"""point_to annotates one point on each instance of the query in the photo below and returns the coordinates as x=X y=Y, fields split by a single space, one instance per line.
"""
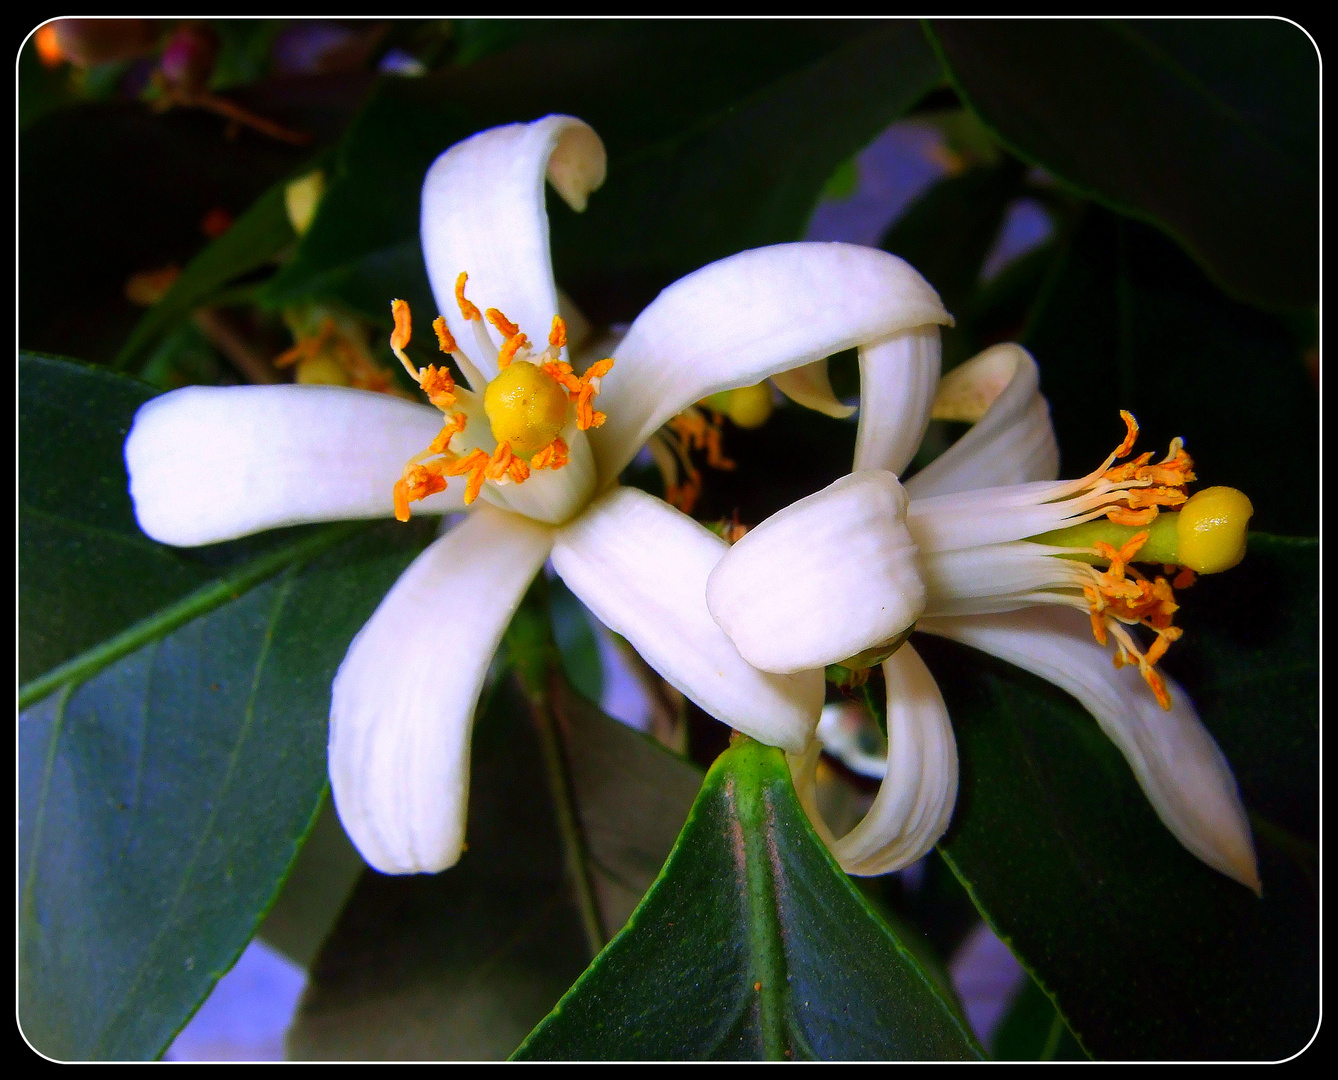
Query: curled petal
x=811 y=387
x=919 y=788
x=748 y=317
x=822 y=580
x=641 y=566
x=1012 y=440
x=897 y=380
x=404 y=697
x=483 y=214
x=212 y=463
x=1178 y=765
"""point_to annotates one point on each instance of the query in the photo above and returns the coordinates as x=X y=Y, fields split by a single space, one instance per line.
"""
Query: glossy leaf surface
x=162 y=801
x=463 y=963
x=165 y=784
x=752 y=943
x=1065 y=857
x=1210 y=130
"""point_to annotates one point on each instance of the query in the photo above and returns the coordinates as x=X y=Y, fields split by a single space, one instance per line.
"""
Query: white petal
x=404 y=697
x=748 y=317
x=995 y=515
x=641 y=566
x=897 y=381
x=1177 y=763
x=483 y=214
x=996 y=577
x=211 y=463
x=825 y=578
x=811 y=387
x=1013 y=440
x=915 y=799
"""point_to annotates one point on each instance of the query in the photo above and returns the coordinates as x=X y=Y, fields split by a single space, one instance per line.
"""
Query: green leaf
x=162 y=801
x=1128 y=322
x=462 y=964
x=752 y=943
x=1033 y=1031
x=733 y=180
x=697 y=118
x=86 y=571
x=164 y=790
x=1207 y=129
x=1147 y=952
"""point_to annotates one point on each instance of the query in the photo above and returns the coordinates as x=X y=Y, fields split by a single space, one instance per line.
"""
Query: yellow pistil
x=527 y=405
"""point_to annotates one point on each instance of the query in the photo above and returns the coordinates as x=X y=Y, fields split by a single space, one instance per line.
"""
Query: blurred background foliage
x=236 y=201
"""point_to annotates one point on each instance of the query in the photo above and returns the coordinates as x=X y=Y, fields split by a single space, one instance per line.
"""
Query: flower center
x=527 y=406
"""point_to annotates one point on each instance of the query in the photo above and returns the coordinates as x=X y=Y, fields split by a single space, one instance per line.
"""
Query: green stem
x=88 y=663
x=569 y=828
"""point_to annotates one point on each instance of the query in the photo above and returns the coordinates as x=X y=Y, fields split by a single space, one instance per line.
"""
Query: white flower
x=967 y=557
x=209 y=464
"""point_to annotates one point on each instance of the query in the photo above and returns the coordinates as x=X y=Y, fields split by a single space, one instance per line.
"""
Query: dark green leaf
x=1033 y=1031
x=1207 y=128
x=1147 y=952
x=734 y=180
x=86 y=571
x=462 y=964
x=162 y=801
x=1128 y=322
x=752 y=943
x=698 y=119
x=457 y=965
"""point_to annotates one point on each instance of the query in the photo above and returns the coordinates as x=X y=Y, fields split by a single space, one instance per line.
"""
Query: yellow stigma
x=1211 y=529
x=526 y=407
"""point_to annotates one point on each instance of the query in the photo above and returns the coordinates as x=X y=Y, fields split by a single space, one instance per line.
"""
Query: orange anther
x=444 y=339
x=1184 y=579
x=401 y=497
x=438 y=385
x=1130 y=435
x=552 y=456
x=557 y=337
x=505 y=326
x=468 y=310
x=399 y=337
x=509 y=348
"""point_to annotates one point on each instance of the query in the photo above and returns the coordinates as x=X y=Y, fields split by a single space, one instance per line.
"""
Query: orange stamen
x=468 y=310
x=509 y=348
x=1130 y=433
x=552 y=456
x=399 y=337
x=505 y=326
x=438 y=385
x=557 y=337
x=444 y=339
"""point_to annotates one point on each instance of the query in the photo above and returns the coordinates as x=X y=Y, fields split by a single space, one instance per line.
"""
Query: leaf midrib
x=83 y=666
